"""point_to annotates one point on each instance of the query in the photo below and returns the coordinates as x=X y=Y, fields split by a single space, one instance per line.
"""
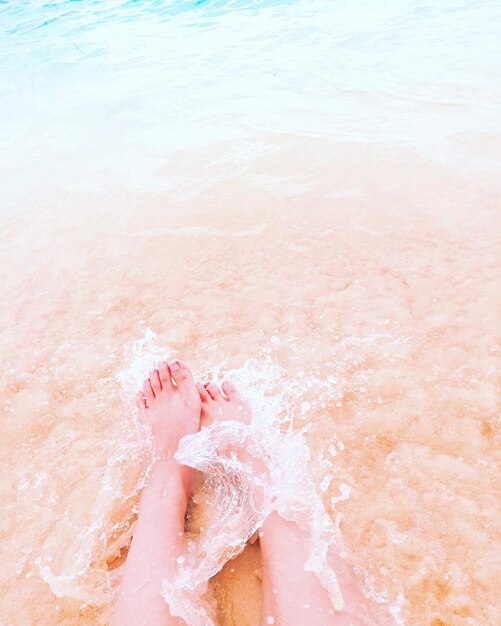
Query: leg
x=290 y=594
x=170 y=406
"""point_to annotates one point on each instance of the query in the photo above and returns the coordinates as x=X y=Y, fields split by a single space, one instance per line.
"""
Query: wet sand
x=374 y=285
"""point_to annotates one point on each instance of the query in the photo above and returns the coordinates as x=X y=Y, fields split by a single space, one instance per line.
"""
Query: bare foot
x=222 y=406
x=228 y=405
x=170 y=405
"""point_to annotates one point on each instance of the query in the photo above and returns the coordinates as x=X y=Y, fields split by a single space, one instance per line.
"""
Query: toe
x=148 y=391
x=230 y=392
x=181 y=374
x=202 y=392
x=213 y=391
x=163 y=372
x=186 y=387
x=156 y=385
x=141 y=401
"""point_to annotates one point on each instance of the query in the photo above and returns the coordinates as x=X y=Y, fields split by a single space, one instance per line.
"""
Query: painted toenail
x=174 y=366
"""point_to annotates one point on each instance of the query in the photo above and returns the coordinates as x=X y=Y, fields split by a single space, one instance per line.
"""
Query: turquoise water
x=112 y=88
x=303 y=193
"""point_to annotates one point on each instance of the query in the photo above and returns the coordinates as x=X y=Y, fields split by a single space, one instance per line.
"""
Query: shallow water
x=303 y=194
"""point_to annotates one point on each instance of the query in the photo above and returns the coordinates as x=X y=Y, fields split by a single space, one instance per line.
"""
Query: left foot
x=170 y=405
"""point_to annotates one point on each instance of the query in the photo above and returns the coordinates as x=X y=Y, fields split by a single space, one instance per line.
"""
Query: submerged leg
x=170 y=405
x=290 y=595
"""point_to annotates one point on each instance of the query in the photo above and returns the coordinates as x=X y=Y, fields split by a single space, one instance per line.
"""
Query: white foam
x=81 y=579
x=142 y=356
x=282 y=479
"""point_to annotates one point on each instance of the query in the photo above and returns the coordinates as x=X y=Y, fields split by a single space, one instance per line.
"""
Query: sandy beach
x=349 y=286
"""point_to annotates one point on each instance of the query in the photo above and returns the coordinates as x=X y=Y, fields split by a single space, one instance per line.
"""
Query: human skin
x=173 y=406
x=290 y=595
x=170 y=405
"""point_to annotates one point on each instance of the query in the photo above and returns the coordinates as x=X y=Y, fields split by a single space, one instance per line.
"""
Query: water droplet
x=305 y=406
x=332 y=450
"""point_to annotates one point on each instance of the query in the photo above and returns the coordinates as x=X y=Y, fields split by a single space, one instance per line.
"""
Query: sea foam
x=281 y=477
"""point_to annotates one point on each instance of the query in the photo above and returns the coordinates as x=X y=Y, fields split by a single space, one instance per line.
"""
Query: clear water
x=107 y=92
x=307 y=188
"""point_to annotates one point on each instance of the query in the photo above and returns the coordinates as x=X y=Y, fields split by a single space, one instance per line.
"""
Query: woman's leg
x=291 y=596
x=170 y=406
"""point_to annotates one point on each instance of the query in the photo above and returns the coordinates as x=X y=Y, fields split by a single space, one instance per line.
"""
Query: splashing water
x=283 y=482
x=309 y=183
x=240 y=494
x=82 y=579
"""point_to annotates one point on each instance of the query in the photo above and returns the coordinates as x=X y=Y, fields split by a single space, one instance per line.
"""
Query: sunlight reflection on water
x=309 y=184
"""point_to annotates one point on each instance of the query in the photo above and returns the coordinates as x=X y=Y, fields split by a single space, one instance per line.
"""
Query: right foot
x=170 y=405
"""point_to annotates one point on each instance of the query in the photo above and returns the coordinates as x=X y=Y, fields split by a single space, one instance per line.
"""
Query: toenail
x=174 y=366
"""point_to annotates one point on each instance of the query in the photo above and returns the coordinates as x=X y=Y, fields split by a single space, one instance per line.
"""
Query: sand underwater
x=350 y=287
